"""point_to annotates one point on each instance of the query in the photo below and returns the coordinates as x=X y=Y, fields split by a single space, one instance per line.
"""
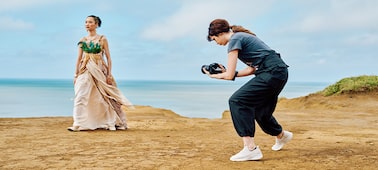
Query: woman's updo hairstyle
x=97 y=19
x=221 y=25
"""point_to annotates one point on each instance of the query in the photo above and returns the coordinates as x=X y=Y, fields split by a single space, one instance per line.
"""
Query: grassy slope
x=352 y=85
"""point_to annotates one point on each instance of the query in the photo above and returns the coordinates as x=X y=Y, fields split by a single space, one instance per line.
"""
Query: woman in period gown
x=98 y=102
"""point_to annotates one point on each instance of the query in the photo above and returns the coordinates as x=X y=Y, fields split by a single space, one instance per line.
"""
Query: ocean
x=196 y=99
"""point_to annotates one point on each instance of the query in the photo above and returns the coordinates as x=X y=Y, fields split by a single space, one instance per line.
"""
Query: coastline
x=197 y=99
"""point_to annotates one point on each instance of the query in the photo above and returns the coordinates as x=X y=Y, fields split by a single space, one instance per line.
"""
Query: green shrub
x=352 y=85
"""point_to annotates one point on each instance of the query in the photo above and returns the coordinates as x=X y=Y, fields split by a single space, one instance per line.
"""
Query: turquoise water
x=205 y=99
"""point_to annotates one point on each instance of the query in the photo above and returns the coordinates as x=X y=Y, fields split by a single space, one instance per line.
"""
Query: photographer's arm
x=231 y=66
x=246 y=72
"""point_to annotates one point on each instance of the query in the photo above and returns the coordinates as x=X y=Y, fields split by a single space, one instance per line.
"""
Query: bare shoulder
x=103 y=37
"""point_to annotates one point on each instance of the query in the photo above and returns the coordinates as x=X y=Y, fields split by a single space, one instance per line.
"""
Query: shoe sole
x=72 y=129
x=253 y=159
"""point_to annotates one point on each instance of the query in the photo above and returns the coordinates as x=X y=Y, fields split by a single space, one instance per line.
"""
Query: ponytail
x=238 y=28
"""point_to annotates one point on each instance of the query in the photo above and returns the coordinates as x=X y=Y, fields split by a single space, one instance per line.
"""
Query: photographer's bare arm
x=229 y=74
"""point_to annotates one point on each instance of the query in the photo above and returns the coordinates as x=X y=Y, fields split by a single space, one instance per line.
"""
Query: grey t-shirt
x=252 y=50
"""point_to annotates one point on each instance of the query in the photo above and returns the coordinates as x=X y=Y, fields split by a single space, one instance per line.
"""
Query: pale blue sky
x=321 y=40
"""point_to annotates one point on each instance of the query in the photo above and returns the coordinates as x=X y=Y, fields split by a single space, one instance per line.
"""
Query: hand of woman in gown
x=109 y=79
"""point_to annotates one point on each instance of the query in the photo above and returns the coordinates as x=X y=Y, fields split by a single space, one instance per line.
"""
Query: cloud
x=365 y=39
x=321 y=61
x=340 y=15
x=189 y=18
x=194 y=16
x=12 y=5
x=8 y=23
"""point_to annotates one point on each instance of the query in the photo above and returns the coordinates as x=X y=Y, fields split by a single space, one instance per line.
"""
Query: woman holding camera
x=97 y=101
x=255 y=100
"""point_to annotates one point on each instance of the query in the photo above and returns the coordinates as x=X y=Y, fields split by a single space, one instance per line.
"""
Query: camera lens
x=206 y=68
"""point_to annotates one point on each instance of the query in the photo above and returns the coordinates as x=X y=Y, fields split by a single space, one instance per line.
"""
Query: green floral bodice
x=91 y=48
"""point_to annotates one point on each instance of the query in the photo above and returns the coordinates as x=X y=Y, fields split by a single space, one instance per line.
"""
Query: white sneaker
x=287 y=136
x=247 y=155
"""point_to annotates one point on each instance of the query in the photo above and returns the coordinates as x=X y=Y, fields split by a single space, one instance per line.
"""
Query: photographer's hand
x=222 y=67
x=208 y=73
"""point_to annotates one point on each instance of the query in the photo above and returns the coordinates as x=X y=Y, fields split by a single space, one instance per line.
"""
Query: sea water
x=202 y=99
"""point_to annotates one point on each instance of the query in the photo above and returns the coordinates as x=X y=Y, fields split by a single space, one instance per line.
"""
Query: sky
x=321 y=40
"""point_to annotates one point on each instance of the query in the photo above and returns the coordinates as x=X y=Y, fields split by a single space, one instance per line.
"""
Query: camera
x=213 y=68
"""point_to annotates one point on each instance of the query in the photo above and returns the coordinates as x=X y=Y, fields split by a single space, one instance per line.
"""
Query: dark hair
x=97 y=19
x=218 y=26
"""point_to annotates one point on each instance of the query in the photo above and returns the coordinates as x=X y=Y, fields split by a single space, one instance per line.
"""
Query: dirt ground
x=338 y=132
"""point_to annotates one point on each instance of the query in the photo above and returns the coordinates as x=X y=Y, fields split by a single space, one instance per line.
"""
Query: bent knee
x=233 y=100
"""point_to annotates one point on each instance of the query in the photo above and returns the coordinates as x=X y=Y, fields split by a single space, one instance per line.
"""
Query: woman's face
x=220 y=39
x=90 y=24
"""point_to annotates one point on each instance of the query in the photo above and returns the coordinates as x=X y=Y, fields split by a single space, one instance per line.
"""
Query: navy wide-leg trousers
x=256 y=100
